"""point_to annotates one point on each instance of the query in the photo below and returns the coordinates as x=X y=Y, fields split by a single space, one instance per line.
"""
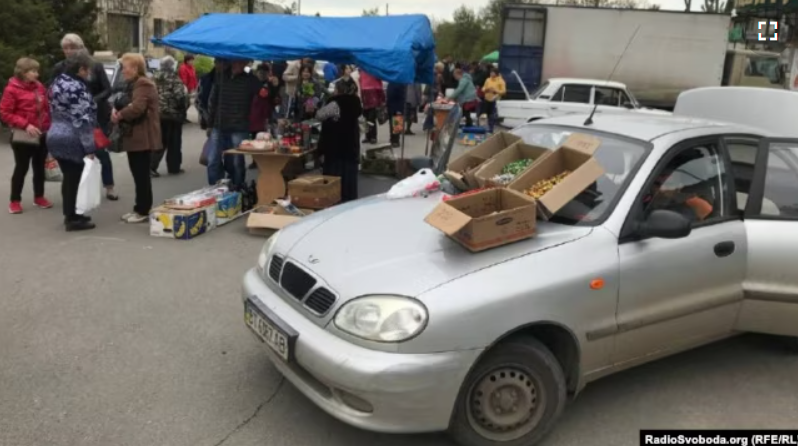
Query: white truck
x=668 y=52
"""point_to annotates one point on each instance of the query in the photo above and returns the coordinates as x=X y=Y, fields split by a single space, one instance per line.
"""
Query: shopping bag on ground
x=51 y=170
x=90 y=188
x=421 y=183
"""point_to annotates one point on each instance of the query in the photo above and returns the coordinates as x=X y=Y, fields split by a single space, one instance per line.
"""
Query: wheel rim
x=505 y=404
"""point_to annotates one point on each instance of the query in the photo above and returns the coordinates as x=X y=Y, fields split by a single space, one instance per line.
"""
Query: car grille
x=299 y=283
x=275 y=267
x=320 y=301
x=296 y=281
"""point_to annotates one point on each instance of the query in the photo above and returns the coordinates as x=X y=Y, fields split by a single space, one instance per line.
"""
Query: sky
x=439 y=9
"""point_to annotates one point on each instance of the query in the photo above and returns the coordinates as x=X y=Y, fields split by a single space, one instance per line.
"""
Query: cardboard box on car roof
x=574 y=155
x=460 y=171
x=486 y=219
x=515 y=152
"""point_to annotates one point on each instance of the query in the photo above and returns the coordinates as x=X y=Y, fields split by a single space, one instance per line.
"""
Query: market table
x=270 y=183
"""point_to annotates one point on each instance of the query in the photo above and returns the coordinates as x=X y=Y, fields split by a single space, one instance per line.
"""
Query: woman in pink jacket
x=24 y=108
x=373 y=97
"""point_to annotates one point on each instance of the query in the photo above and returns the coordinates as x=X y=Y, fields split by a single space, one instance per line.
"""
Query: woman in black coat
x=339 y=142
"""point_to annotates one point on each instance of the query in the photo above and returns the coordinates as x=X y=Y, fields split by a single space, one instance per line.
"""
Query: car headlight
x=382 y=318
x=263 y=257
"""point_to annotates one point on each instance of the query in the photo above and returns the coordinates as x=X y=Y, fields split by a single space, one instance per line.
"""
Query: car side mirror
x=628 y=105
x=664 y=224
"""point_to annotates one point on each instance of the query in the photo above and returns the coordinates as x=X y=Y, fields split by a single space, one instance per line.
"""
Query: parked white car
x=563 y=96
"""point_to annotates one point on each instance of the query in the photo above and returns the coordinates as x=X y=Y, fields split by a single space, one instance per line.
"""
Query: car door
x=571 y=99
x=771 y=225
x=679 y=293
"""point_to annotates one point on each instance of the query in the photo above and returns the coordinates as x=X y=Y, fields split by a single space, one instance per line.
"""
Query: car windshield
x=619 y=156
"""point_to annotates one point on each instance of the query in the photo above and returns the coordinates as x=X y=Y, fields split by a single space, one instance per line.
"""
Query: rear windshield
x=619 y=156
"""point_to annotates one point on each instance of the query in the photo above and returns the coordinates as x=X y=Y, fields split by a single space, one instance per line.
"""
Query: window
x=179 y=24
x=573 y=93
x=621 y=158
x=781 y=181
x=610 y=96
x=157 y=29
x=742 y=153
x=538 y=91
x=692 y=184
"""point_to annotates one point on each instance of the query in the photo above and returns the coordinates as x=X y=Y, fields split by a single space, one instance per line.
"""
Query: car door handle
x=724 y=249
x=554 y=108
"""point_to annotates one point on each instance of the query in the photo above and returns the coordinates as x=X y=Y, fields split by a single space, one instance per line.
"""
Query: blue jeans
x=233 y=165
x=107 y=167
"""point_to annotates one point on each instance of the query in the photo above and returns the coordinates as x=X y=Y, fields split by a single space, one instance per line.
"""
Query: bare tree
x=713 y=6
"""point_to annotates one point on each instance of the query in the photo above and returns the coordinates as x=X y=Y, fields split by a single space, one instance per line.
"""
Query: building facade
x=128 y=25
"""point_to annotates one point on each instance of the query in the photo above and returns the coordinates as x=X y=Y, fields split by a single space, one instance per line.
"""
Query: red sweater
x=188 y=75
x=25 y=103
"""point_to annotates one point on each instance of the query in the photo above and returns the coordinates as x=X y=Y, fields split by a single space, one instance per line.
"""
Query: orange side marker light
x=597 y=284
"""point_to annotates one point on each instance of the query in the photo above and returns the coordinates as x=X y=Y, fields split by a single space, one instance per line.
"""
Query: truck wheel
x=512 y=397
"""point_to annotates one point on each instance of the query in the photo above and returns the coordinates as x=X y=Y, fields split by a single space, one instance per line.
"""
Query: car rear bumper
x=373 y=390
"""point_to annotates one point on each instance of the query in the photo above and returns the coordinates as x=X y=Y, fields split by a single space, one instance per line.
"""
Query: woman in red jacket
x=24 y=108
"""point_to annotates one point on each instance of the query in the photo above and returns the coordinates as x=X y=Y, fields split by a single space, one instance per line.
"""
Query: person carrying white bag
x=71 y=138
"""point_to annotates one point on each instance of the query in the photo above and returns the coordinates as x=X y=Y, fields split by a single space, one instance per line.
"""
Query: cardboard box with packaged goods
x=575 y=155
x=315 y=191
x=460 y=171
x=182 y=224
x=486 y=219
x=515 y=152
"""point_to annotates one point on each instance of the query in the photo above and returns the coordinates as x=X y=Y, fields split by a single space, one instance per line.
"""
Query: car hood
x=377 y=245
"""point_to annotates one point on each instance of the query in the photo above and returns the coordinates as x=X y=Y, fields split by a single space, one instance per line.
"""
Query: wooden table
x=270 y=184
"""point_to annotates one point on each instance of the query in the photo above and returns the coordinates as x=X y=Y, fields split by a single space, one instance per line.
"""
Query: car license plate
x=267 y=331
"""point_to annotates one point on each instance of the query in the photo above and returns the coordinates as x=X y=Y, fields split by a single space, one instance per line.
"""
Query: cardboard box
x=315 y=191
x=182 y=224
x=228 y=207
x=576 y=155
x=486 y=219
x=458 y=171
x=461 y=170
x=267 y=220
x=515 y=152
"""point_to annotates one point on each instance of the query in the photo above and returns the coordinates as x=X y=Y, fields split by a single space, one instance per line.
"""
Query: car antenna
x=589 y=120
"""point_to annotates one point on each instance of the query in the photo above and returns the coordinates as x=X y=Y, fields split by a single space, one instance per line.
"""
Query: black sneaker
x=154 y=174
x=78 y=225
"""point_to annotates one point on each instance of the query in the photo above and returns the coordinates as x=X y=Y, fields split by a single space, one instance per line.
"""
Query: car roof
x=582 y=81
x=646 y=127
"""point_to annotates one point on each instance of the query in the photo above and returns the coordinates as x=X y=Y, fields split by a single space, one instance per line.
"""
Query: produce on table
x=540 y=188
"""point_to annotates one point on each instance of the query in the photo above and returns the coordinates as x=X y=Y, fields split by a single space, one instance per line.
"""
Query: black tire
x=540 y=384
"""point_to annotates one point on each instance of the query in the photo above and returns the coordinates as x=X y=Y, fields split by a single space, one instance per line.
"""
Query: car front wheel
x=513 y=397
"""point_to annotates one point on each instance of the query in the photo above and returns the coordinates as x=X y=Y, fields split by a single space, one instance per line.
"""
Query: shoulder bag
x=21 y=137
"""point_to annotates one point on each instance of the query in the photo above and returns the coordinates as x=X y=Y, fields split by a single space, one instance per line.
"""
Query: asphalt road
x=111 y=337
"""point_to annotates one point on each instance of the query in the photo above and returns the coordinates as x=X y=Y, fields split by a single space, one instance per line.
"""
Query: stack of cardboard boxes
x=188 y=216
x=491 y=214
x=306 y=195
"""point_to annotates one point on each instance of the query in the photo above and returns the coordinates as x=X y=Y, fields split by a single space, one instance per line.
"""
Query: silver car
x=690 y=237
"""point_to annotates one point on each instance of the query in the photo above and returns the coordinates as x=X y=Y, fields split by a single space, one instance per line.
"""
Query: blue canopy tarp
x=398 y=48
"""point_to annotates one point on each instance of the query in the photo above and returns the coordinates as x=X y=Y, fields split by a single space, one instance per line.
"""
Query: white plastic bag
x=422 y=182
x=90 y=189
